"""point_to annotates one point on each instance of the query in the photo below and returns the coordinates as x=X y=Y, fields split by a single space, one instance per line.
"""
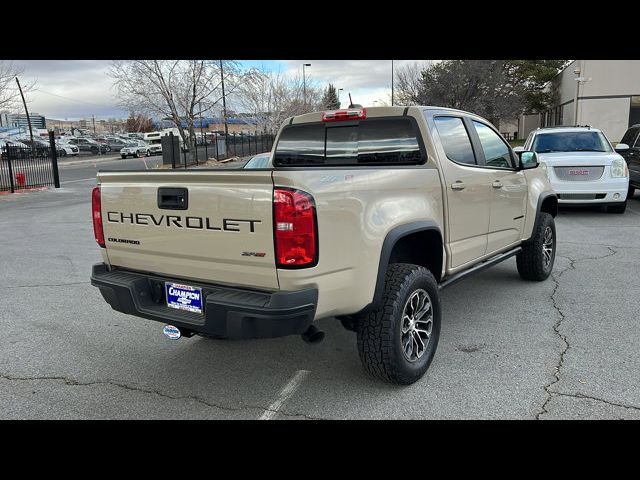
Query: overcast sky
x=73 y=89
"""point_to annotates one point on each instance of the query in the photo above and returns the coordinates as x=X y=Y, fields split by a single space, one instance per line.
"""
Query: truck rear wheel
x=535 y=261
x=397 y=342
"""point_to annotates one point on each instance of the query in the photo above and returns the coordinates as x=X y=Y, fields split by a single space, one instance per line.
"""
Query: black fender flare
x=392 y=237
x=541 y=198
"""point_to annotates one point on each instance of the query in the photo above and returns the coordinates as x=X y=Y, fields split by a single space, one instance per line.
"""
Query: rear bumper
x=232 y=313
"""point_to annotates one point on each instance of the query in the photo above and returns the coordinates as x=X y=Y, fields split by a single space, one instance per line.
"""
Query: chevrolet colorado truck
x=361 y=214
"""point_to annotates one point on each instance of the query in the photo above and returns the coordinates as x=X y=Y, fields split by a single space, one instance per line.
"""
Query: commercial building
x=240 y=124
x=602 y=93
x=20 y=120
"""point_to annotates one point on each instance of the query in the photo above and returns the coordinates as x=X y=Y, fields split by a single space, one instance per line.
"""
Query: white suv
x=582 y=166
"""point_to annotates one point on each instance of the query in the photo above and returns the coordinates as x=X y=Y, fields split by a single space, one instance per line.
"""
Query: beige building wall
x=611 y=115
x=604 y=98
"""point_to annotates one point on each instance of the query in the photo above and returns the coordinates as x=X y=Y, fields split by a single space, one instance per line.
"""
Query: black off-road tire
x=124 y=157
x=530 y=261
x=380 y=332
x=617 y=208
x=631 y=192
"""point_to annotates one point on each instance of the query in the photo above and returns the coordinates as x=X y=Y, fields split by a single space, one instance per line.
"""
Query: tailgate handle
x=173 y=198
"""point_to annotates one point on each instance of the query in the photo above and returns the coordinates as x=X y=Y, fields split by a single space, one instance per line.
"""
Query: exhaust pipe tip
x=313 y=335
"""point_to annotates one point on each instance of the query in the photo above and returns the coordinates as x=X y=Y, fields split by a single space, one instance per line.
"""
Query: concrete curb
x=62 y=163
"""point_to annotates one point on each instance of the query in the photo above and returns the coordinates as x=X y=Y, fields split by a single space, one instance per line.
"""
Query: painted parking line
x=284 y=395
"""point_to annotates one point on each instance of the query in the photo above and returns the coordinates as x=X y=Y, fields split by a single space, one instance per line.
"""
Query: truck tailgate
x=221 y=232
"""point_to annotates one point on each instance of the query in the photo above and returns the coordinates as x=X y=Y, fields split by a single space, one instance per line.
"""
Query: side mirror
x=527 y=160
x=518 y=149
x=621 y=147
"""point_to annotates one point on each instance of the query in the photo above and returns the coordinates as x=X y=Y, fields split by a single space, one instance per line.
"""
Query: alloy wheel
x=417 y=324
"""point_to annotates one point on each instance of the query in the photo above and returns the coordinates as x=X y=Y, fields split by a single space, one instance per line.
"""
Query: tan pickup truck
x=362 y=215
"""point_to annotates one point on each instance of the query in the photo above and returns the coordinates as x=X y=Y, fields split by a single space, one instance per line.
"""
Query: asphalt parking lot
x=565 y=348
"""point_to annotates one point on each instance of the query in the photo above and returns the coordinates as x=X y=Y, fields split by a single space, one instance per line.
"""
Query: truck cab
x=362 y=214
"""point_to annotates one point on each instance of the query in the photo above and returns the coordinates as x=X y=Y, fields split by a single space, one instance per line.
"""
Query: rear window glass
x=370 y=142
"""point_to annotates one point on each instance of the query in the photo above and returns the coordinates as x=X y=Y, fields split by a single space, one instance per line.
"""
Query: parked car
x=258 y=161
x=20 y=149
x=135 y=148
x=582 y=166
x=88 y=145
x=41 y=146
x=117 y=144
x=629 y=148
x=65 y=149
x=366 y=216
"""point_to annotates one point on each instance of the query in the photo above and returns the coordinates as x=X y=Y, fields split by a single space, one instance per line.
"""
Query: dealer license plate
x=184 y=297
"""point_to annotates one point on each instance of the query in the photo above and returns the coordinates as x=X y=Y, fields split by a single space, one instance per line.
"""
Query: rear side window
x=385 y=141
x=455 y=139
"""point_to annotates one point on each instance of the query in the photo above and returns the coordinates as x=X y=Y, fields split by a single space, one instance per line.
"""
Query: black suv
x=632 y=156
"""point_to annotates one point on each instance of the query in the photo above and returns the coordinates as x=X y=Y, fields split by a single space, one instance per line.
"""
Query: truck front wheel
x=535 y=261
x=397 y=342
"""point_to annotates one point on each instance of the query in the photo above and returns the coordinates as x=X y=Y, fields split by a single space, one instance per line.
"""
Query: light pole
x=338 y=91
x=304 y=84
x=579 y=80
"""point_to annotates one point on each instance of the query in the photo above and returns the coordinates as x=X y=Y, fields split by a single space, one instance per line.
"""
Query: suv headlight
x=545 y=169
x=619 y=168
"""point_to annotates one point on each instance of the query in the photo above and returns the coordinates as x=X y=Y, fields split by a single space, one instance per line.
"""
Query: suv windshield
x=587 y=141
x=376 y=141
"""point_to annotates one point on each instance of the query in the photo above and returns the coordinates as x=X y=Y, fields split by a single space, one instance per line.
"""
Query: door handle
x=458 y=185
x=497 y=184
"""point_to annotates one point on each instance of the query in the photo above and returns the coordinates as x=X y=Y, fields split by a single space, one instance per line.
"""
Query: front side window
x=496 y=151
x=583 y=141
x=630 y=136
x=385 y=141
x=455 y=139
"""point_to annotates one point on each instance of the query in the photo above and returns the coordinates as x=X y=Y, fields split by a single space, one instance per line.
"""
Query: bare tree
x=271 y=97
x=407 y=83
x=9 y=94
x=180 y=90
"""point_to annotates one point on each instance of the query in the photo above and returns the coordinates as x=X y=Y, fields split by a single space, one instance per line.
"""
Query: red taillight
x=294 y=228
x=348 y=114
x=96 y=209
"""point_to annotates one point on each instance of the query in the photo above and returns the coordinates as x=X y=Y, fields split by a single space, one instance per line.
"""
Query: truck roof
x=375 y=112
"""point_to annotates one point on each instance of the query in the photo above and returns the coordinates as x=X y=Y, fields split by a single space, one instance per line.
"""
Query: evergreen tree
x=330 y=98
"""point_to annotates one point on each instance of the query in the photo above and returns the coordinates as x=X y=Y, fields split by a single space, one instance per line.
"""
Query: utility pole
x=224 y=102
x=26 y=111
x=338 y=92
x=392 y=83
x=93 y=119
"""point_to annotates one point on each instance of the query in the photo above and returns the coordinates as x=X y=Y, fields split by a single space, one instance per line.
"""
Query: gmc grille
x=578 y=174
